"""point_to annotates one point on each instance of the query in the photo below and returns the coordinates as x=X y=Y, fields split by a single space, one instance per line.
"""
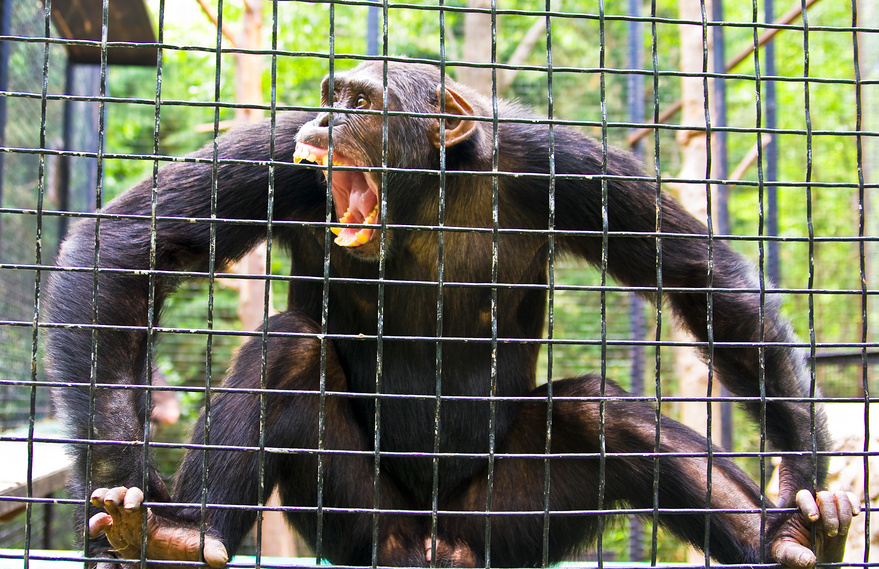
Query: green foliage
x=815 y=144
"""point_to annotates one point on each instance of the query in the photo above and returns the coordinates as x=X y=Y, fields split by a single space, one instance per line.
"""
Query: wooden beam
x=128 y=21
x=49 y=463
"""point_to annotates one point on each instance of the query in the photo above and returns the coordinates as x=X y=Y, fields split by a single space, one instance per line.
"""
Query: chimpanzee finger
x=855 y=502
x=214 y=553
x=133 y=499
x=846 y=504
x=97 y=497
x=793 y=555
x=99 y=523
x=808 y=506
x=829 y=513
x=113 y=499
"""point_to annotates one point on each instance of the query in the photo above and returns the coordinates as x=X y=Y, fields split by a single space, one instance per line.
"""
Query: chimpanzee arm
x=681 y=469
x=117 y=301
x=631 y=260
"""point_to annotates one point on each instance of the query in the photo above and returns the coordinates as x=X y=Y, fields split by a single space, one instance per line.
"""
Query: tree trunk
x=477 y=47
x=278 y=540
x=691 y=371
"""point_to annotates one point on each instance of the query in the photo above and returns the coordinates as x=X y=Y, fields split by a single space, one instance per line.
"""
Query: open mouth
x=355 y=195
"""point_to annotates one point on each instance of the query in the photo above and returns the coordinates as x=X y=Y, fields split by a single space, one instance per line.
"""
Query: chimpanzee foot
x=455 y=554
x=123 y=521
x=831 y=513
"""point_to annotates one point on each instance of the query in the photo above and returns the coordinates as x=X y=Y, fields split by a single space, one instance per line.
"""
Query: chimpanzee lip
x=355 y=195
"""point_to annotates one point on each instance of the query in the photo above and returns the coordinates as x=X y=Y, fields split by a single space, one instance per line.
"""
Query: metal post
x=636 y=115
x=721 y=204
x=372 y=30
x=5 y=50
x=636 y=309
x=773 y=267
x=64 y=160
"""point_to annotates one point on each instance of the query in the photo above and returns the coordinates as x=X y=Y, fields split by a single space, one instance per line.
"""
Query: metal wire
x=605 y=342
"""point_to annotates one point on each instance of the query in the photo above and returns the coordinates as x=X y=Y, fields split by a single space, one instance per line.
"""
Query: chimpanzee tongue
x=361 y=200
x=361 y=208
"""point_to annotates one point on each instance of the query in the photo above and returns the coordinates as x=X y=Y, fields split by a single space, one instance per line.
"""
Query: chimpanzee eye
x=360 y=102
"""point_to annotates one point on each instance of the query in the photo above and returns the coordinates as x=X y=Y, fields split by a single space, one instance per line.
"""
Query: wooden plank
x=128 y=21
x=50 y=466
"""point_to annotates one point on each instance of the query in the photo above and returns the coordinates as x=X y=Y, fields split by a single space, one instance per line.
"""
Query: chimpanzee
x=372 y=395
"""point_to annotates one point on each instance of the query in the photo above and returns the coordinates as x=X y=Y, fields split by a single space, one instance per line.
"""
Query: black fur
x=409 y=365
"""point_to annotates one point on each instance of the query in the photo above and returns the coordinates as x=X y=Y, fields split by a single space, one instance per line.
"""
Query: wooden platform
x=49 y=470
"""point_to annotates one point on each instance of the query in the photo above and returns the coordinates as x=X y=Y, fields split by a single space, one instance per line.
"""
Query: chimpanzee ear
x=458 y=127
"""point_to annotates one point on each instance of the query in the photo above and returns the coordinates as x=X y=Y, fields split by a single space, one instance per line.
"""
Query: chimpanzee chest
x=432 y=395
x=433 y=358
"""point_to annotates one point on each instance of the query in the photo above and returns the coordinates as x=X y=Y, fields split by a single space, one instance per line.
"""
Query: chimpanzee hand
x=832 y=514
x=123 y=521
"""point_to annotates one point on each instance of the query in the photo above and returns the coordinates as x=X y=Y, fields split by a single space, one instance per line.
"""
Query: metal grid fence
x=801 y=208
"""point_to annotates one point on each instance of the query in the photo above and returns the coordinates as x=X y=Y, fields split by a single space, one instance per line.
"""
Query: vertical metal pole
x=773 y=268
x=5 y=50
x=721 y=162
x=372 y=30
x=636 y=115
x=636 y=308
x=721 y=159
x=64 y=159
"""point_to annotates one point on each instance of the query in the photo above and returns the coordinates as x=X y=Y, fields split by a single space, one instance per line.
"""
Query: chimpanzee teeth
x=344 y=219
x=372 y=215
x=361 y=237
x=302 y=153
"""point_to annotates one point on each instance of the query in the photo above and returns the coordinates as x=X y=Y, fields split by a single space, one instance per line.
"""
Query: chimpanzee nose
x=323 y=120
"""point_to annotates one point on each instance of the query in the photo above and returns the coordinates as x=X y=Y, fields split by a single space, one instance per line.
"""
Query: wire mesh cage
x=427 y=284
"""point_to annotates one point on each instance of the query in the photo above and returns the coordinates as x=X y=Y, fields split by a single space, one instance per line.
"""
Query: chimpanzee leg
x=629 y=434
x=294 y=409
